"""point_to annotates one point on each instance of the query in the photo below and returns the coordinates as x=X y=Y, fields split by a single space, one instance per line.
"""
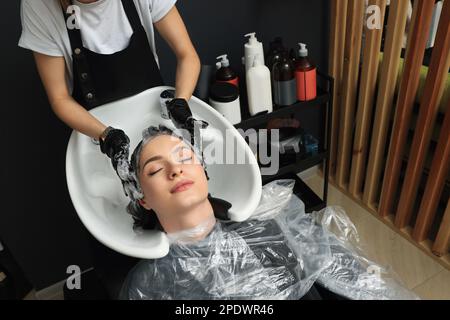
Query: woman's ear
x=144 y=204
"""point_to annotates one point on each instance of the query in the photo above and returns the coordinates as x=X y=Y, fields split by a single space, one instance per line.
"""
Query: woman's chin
x=187 y=202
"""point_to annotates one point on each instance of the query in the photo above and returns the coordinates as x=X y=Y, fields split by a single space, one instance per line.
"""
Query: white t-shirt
x=104 y=27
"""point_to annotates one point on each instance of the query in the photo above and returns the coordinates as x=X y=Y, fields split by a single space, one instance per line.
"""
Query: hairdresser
x=91 y=52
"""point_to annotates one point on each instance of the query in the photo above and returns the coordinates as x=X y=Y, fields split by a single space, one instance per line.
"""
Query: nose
x=175 y=170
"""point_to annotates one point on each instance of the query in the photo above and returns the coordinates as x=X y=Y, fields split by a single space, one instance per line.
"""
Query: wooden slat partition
x=387 y=85
x=417 y=39
x=379 y=85
x=435 y=183
x=336 y=58
x=368 y=83
x=442 y=242
x=434 y=87
x=352 y=53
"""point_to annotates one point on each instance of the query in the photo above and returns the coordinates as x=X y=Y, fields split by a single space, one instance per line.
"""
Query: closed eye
x=155 y=172
x=186 y=159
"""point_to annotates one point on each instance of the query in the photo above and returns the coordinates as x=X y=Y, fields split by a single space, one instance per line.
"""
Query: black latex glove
x=116 y=146
x=181 y=115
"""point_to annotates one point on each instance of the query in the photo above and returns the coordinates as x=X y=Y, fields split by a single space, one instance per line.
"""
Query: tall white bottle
x=259 y=89
x=252 y=49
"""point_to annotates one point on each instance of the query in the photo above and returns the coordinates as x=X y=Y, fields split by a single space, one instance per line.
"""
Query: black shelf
x=324 y=98
x=282 y=112
x=299 y=165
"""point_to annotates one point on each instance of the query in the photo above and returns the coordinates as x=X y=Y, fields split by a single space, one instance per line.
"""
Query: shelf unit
x=320 y=109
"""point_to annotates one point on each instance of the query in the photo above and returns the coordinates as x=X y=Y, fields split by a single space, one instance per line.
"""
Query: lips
x=182 y=186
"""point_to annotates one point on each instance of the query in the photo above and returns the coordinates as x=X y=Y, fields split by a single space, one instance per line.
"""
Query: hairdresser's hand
x=116 y=145
x=181 y=116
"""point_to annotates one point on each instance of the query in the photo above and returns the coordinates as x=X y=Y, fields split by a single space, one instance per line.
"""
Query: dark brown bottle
x=284 y=82
x=275 y=58
x=276 y=50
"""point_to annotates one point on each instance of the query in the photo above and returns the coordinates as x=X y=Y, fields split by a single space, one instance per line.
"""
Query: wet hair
x=147 y=219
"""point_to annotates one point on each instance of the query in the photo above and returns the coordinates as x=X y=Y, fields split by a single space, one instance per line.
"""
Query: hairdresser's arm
x=52 y=72
x=173 y=31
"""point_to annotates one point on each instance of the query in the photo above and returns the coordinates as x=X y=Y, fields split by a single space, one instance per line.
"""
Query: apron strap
x=132 y=14
x=83 y=73
x=74 y=34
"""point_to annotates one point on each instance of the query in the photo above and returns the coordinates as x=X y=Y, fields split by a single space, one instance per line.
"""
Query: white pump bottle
x=259 y=89
x=252 y=48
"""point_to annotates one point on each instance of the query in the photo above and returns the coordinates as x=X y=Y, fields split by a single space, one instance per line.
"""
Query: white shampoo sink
x=97 y=192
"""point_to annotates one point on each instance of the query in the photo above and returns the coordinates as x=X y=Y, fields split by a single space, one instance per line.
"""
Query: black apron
x=102 y=78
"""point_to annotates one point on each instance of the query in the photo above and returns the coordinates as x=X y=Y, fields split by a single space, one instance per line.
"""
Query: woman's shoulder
x=159 y=8
x=41 y=6
x=42 y=23
x=41 y=11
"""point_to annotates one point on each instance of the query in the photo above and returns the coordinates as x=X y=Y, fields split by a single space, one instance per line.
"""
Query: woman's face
x=171 y=177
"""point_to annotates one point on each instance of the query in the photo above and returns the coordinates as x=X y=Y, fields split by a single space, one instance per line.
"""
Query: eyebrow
x=150 y=160
x=158 y=157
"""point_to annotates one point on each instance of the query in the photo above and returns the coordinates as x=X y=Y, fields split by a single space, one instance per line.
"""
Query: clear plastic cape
x=278 y=253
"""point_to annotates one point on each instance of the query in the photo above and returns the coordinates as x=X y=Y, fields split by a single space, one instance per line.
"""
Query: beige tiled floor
x=419 y=272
